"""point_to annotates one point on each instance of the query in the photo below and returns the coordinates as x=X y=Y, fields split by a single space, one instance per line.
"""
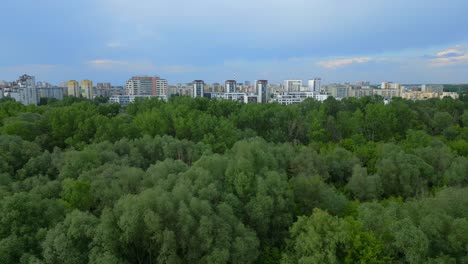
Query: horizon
x=111 y=40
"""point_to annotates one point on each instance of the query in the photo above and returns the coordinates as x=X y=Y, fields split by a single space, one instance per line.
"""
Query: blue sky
x=407 y=41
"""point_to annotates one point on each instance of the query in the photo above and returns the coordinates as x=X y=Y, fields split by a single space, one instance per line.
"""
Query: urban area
x=27 y=91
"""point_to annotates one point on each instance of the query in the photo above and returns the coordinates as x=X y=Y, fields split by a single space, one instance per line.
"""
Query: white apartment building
x=161 y=88
x=292 y=85
x=315 y=85
x=298 y=97
x=125 y=100
x=140 y=86
x=27 y=91
x=198 y=88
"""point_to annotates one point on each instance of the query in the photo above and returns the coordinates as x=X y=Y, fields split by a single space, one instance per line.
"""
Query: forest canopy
x=215 y=181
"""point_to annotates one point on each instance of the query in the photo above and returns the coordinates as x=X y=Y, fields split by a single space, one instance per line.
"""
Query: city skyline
x=408 y=42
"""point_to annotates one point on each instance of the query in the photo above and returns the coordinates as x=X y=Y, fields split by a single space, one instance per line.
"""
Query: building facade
x=315 y=85
x=292 y=85
x=27 y=90
x=51 y=92
x=230 y=86
x=141 y=86
x=198 y=88
x=87 y=89
x=125 y=100
x=262 y=91
x=161 y=88
x=73 y=88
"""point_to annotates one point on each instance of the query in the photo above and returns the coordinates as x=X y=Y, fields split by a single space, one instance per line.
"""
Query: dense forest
x=214 y=181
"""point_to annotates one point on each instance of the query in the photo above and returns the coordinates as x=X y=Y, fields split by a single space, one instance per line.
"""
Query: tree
x=363 y=186
x=322 y=238
x=69 y=242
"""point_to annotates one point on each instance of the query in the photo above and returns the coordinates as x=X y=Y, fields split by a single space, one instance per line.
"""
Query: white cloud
x=449 y=57
x=449 y=53
x=338 y=63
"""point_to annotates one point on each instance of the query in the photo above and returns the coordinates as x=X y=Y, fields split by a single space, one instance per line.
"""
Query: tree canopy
x=216 y=181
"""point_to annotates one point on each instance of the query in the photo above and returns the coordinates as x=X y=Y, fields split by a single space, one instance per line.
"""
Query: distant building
x=87 y=89
x=230 y=86
x=338 y=91
x=453 y=95
x=388 y=92
x=198 y=88
x=298 y=97
x=125 y=100
x=161 y=88
x=432 y=88
x=362 y=83
x=390 y=85
x=315 y=85
x=50 y=92
x=116 y=90
x=292 y=85
x=73 y=88
x=361 y=91
x=141 y=86
x=419 y=95
x=103 y=85
x=27 y=90
x=262 y=91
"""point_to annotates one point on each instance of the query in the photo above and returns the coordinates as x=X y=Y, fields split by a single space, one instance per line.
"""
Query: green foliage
x=210 y=181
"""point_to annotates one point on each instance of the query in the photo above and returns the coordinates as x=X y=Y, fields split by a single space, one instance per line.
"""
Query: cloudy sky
x=407 y=41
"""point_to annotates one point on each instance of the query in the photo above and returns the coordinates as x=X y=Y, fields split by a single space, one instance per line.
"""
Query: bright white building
x=230 y=86
x=125 y=100
x=315 y=85
x=298 y=97
x=161 y=87
x=198 y=88
x=292 y=85
x=140 y=85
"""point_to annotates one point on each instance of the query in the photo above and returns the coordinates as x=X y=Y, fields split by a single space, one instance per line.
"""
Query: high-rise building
x=87 y=89
x=27 y=90
x=161 y=88
x=141 y=85
x=73 y=88
x=262 y=91
x=198 y=88
x=103 y=86
x=230 y=86
x=292 y=85
x=315 y=85
x=50 y=92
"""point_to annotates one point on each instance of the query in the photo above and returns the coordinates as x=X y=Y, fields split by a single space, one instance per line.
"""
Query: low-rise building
x=453 y=95
x=125 y=100
x=419 y=95
x=297 y=97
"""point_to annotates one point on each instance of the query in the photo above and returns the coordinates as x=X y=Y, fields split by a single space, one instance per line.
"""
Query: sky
x=405 y=41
